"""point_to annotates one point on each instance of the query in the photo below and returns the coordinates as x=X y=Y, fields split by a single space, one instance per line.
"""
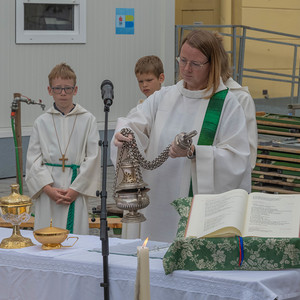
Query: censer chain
x=137 y=157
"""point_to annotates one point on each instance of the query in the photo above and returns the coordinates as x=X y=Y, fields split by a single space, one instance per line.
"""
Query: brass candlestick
x=15 y=209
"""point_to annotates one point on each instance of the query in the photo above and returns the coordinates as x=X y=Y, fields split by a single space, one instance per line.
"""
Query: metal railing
x=239 y=35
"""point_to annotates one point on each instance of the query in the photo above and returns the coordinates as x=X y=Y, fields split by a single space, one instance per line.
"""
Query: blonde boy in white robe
x=64 y=142
x=149 y=72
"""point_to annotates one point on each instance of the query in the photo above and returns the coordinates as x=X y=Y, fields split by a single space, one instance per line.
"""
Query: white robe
x=83 y=150
x=218 y=168
x=243 y=96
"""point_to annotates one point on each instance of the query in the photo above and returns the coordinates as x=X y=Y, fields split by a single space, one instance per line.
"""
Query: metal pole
x=241 y=56
x=103 y=214
x=19 y=141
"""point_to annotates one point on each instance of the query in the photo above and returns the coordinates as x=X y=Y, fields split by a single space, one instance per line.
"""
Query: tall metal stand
x=17 y=132
x=103 y=212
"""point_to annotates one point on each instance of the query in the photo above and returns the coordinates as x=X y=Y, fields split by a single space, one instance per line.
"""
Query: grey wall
x=8 y=156
x=25 y=67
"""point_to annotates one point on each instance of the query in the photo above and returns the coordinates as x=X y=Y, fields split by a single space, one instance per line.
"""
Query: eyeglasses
x=67 y=89
x=193 y=64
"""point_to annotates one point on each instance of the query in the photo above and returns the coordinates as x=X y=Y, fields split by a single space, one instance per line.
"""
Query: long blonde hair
x=225 y=68
x=206 y=42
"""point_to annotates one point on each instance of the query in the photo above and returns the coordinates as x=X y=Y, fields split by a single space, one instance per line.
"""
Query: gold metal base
x=16 y=241
x=51 y=246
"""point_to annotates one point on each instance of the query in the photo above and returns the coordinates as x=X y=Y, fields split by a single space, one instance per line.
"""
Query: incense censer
x=15 y=209
x=130 y=193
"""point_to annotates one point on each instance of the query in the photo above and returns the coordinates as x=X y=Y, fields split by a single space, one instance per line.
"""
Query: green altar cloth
x=259 y=254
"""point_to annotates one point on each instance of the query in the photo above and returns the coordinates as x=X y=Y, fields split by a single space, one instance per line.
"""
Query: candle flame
x=145 y=243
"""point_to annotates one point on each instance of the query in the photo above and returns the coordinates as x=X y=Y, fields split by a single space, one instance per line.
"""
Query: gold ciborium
x=52 y=237
x=15 y=209
x=131 y=192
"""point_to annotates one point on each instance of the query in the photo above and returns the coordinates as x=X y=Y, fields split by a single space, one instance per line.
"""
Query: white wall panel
x=25 y=68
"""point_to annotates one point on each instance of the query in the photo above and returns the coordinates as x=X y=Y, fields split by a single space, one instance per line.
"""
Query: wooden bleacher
x=277 y=167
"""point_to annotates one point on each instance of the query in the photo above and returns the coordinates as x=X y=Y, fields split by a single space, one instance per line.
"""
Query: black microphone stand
x=103 y=212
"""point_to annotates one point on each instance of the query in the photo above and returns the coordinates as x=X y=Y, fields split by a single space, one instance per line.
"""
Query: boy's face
x=149 y=83
x=63 y=98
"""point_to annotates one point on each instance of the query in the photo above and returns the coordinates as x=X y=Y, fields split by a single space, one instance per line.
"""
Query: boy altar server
x=63 y=158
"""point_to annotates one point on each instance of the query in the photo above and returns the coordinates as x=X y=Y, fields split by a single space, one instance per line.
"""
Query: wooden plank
x=275 y=182
x=111 y=222
x=271 y=157
x=274 y=174
x=278 y=128
x=272 y=190
x=277 y=118
x=279 y=149
x=278 y=133
x=271 y=166
x=277 y=124
x=278 y=153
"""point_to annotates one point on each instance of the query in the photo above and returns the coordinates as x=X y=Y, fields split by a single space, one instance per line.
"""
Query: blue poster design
x=124 y=20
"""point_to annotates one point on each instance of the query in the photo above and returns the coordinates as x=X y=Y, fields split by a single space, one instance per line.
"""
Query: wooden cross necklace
x=63 y=155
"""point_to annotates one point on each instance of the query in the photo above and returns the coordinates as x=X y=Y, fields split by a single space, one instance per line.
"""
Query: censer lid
x=51 y=230
x=131 y=179
x=123 y=186
x=15 y=198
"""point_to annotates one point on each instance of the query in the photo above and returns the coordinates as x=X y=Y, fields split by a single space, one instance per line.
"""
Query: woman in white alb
x=215 y=168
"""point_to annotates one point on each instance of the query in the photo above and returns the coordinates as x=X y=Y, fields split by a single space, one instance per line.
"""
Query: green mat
x=259 y=254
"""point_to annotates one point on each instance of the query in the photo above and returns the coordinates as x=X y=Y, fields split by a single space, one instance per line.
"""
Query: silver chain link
x=137 y=157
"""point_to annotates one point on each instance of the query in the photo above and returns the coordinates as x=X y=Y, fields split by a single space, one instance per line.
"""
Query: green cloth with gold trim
x=223 y=253
x=260 y=254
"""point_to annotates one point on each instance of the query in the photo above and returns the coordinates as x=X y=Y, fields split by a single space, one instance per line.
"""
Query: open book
x=237 y=213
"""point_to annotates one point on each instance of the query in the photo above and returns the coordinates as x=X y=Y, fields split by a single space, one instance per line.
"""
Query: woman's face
x=194 y=68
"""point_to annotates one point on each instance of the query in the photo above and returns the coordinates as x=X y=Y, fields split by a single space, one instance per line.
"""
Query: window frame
x=76 y=36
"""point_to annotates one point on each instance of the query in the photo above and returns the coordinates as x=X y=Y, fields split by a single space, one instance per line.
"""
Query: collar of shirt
x=54 y=105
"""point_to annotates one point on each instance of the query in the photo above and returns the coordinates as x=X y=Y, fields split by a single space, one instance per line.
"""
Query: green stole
x=210 y=122
x=70 y=220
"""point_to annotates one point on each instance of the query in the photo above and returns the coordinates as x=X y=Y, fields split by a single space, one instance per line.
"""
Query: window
x=50 y=21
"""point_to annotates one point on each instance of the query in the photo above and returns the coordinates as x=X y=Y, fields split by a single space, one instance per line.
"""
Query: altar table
x=76 y=273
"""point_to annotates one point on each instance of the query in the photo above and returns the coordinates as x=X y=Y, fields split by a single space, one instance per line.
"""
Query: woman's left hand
x=176 y=151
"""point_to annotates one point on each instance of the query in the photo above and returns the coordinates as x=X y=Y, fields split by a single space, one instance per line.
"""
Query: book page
x=210 y=213
x=271 y=215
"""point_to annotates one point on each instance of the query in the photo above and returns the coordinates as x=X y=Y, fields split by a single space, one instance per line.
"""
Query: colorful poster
x=124 y=20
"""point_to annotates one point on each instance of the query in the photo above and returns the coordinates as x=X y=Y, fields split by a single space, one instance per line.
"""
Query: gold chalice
x=15 y=209
x=52 y=237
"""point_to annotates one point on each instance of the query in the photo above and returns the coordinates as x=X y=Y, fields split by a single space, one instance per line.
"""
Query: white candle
x=142 y=283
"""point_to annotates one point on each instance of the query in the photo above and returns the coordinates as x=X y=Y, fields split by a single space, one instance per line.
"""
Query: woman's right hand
x=120 y=139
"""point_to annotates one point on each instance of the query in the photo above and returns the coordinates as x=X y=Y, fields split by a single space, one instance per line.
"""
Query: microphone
x=107 y=92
